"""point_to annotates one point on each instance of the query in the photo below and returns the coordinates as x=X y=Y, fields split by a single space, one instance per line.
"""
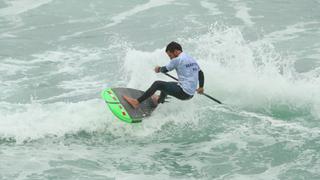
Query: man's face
x=173 y=54
x=170 y=54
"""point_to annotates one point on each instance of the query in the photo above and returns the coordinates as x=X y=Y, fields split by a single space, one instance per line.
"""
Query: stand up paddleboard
x=124 y=111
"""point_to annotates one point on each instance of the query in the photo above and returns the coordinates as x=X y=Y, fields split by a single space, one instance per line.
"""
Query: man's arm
x=163 y=69
x=201 y=79
x=169 y=67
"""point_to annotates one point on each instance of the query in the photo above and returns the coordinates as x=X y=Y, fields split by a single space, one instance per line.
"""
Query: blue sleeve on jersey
x=163 y=69
x=201 y=78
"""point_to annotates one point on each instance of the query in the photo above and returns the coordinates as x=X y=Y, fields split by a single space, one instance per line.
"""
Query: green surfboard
x=124 y=111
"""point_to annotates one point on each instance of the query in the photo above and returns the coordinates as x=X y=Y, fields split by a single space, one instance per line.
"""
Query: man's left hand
x=200 y=90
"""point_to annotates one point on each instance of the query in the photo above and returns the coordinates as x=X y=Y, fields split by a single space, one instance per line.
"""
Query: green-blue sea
x=260 y=58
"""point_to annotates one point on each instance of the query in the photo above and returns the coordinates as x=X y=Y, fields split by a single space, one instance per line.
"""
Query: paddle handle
x=171 y=76
x=212 y=98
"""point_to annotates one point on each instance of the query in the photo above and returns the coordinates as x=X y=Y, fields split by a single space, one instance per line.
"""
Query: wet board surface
x=124 y=111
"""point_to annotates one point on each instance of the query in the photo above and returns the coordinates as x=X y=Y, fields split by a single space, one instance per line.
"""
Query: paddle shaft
x=208 y=96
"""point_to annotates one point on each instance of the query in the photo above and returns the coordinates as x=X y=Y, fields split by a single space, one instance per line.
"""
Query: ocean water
x=260 y=58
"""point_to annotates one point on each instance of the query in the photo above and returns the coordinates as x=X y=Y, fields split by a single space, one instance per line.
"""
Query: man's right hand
x=157 y=69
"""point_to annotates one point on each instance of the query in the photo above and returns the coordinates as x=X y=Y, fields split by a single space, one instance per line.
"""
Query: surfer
x=188 y=71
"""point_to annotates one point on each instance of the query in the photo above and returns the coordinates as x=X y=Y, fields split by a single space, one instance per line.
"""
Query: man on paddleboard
x=188 y=71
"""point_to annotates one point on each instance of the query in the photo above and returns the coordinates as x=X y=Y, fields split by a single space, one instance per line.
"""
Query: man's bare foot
x=155 y=99
x=133 y=102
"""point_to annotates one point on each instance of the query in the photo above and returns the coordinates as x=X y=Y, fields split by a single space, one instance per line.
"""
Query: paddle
x=208 y=96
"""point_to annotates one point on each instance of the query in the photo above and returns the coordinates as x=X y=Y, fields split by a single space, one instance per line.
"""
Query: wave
x=251 y=76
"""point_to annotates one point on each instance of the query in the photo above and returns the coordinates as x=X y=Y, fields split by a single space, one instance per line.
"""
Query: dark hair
x=173 y=46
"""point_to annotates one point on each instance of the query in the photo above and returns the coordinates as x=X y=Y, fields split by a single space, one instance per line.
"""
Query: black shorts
x=166 y=88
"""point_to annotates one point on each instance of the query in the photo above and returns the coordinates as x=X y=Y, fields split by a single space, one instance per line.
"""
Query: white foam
x=212 y=7
x=254 y=69
x=19 y=74
x=119 y=18
x=10 y=66
x=290 y=32
x=87 y=83
x=7 y=35
x=69 y=61
x=16 y=7
x=34 y=121
x=139 y=67
x=137 y=9
x=248 y=74
x=237 y=72
x=243 y=12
